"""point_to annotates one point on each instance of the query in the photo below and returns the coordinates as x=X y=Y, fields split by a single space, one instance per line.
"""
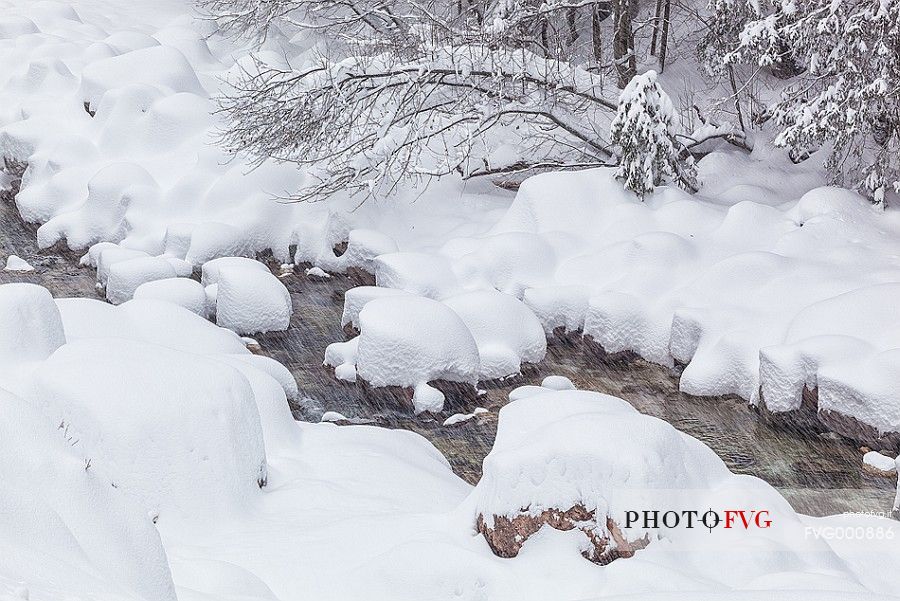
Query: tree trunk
x=571 y=17
x=596 y=35
x=657 y=16
x=623 y=43
x=664 y=36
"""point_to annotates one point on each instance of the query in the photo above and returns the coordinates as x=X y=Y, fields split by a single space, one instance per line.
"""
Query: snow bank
x=64 y=526
x=506 y=331
x=30 y=322
x=207 y=453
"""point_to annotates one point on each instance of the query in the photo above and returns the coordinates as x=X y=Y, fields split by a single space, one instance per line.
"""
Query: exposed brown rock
x=507 y=535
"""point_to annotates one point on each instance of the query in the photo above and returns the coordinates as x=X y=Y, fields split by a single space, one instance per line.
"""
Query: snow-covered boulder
x=180 y=291
x=212 y=240
x=161 y=66
x=506 y=331
x=126 y=276
x=510 y=262
x=576 y=459
x=65 y=520
x=147 y=320
x=15 y=263
x=105 y=254
x=101 y=216
x=419 y=273
x=247 y=297
x=844 y=361
x=179 y=432
x=363 y=246
x=249 y=302
x=356 y=298
x=562 y=307
x=211 y=271
x=30 y=325
x=880 y=464
x=409 y=341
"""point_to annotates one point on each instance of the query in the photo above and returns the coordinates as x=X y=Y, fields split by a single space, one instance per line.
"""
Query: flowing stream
x=818 y=474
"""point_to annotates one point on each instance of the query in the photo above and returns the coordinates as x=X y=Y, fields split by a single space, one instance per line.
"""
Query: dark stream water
x=818 y=474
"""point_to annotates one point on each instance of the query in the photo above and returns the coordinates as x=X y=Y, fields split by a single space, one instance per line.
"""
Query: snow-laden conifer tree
x=848 y=95
x=644 y=130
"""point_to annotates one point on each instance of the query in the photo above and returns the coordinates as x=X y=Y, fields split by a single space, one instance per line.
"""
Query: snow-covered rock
x=880 y=464
x=211 y=272
x=180 y=291
x=506 y=331
x=458 y=418
x=248 y=297
x=105 y=255
x=356 y=298
x=126 y=276
x=15 y=263
x=409 y=341
x=564 y=458
x=419 y=273
x=30 y=325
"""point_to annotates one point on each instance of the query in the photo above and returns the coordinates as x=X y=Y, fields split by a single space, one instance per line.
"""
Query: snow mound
x=126 y=276
x=211 y=271
x=207 y=454
x=506 y=331
x=409 y=341
x=248 y=298
x=31 y=324
x=363 y=247
x=180 y=291
x=101 y=217
x=510 y=262
x=147 y=320
x=160 y=66
x=63 y=523
x=558 y=449
x=356 y=298
x=419 y=273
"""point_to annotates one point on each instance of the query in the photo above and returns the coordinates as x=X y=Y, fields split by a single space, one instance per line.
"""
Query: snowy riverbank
x=147 y=454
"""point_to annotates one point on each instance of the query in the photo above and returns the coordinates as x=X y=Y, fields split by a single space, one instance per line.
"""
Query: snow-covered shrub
x=644 y=130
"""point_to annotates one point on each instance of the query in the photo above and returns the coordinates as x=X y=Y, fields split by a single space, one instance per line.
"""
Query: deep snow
x=144 y=452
